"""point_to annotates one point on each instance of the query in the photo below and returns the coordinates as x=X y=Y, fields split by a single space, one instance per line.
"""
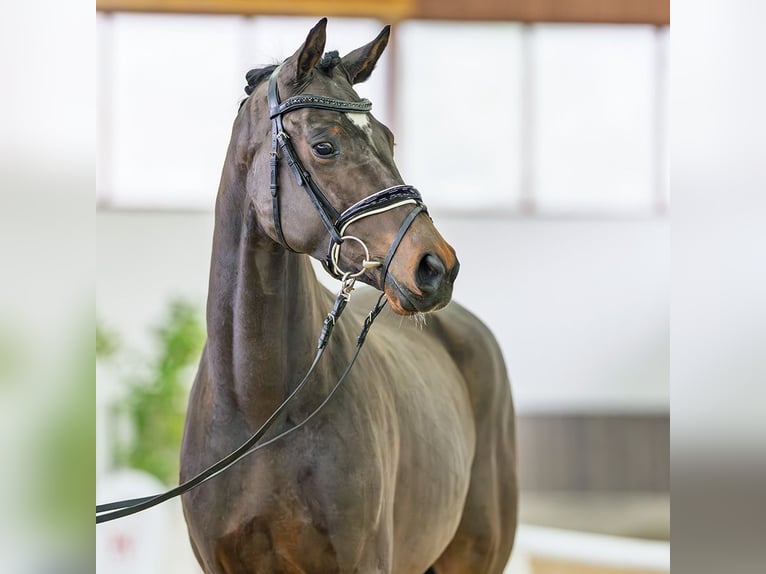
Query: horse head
x=347 y=157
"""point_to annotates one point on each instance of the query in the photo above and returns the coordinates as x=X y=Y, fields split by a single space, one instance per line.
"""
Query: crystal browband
x=320 y=102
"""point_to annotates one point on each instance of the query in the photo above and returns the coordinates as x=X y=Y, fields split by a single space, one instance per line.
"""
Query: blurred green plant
x=107 y=342
x=155 y=403
x=64 y=478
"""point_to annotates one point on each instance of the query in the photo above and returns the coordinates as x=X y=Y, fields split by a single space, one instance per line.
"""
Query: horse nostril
x=430 y=273
x=454 y=272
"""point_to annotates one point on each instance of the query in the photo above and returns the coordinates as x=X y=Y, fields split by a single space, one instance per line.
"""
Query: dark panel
x=586 y=453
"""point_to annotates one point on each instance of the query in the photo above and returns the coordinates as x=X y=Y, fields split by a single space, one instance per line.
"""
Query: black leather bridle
x=334 y=221
x=336 y=224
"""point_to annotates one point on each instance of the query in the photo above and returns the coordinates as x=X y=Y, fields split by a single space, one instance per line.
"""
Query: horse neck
x=265 y=308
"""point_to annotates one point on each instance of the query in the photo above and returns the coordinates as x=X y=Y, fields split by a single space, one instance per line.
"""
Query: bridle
x=336 y=224
x=334 y=221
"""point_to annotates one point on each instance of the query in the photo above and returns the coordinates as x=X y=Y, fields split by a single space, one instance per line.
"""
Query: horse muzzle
x=432 y=281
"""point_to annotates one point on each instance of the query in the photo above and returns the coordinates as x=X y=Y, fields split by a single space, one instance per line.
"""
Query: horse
x=411 y=467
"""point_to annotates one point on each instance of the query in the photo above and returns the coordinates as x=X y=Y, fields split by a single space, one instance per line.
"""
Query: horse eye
x=324 y=149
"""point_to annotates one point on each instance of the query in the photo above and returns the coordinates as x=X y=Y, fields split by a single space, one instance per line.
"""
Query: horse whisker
x=420 y=320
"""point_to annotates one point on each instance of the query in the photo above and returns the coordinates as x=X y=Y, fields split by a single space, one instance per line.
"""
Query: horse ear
x=310 y=52
x=361 y=62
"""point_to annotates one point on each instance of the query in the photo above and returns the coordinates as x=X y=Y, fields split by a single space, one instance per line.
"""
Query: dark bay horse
x=411 y=467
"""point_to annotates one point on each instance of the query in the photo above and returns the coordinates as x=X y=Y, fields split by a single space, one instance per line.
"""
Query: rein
x=336 y=224
x=114 y=510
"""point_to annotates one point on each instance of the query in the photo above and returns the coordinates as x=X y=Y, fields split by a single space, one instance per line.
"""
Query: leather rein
x=336 y=224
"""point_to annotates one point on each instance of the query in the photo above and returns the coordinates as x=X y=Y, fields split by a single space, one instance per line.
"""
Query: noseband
x=334 y=221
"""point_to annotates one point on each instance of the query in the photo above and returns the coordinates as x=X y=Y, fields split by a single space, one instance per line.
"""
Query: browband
x=319 y=102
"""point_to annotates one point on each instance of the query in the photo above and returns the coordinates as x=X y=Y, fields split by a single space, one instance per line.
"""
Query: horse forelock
x=328 y=62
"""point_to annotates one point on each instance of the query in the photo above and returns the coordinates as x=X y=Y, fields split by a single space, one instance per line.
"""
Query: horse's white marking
x=362 y=121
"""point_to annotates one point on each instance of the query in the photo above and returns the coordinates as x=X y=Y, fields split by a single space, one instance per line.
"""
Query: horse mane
x=254 y=77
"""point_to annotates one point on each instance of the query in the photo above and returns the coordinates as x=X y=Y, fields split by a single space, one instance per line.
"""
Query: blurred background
x=537 y=133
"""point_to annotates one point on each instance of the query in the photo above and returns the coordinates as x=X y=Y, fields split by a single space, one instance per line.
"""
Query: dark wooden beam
x=655 y=12
x=390 y=10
